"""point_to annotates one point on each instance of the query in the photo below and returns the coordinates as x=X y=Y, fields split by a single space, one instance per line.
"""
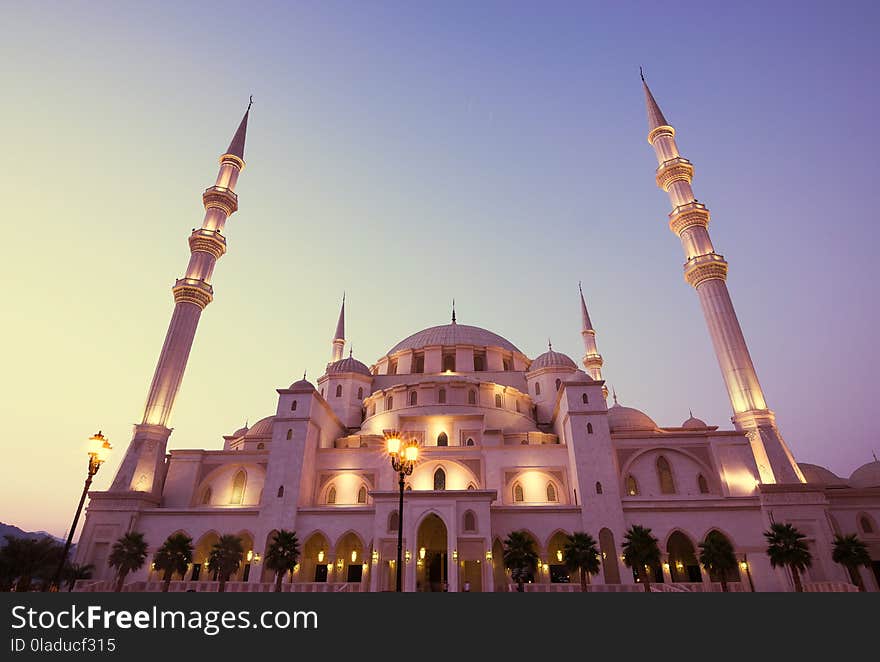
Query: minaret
x=592 y=359
x=339 y=336
x=706 y=271
x=142 y=467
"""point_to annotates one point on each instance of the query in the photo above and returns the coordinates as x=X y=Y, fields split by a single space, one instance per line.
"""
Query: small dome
x=350 y=364
x=240 y=432
x=867 y=475
x=819 y=475
x=627 y=419
x=262 y=428
x=694 y=423
x=302 y=383
x=551 y=359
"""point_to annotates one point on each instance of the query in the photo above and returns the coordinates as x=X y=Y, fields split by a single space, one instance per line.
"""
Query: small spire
x=236 y=147
x=246 y=421
x=691 y=412
x=655 y=115
x=340 y=324
x=874 y=453
x=585 y=316
x=453 y=311
x=304 y=375
x=614 y=394
x=350 y=351
x=549 y=345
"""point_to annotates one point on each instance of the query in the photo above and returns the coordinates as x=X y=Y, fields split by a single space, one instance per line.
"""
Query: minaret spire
x=142 y=468
x=453 y=311
x=339 y=336
x=592 y=359
x=706 y=271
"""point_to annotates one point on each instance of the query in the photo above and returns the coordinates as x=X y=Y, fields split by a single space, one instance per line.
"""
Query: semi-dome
x=551 y=359
x=694 y=423
x=302 y=383
x=262 y=428
x=453 y=334
x=628 y=419
x=349 y=364
x=867 y=475
x=813 y=473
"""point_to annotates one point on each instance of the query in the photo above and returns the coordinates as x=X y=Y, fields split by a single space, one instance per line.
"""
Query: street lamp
x=99 y=449
x=403 y=459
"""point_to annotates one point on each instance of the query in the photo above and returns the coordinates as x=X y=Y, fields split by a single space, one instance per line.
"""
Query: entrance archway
x=559 y=574
x=683 y=564
x=431 y=555
x=201 y=551
x=610 y=569
x=315 y=563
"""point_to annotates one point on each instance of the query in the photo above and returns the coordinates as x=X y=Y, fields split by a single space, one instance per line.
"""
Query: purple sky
x=414 y=152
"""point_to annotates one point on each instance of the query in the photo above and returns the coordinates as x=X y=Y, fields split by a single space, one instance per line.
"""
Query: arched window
x=413 y=398
x=441 y=396
x=470 y=521
x=518 y=496
x=290 y=433
x=516 y=403
x=339 y=390
x=498 y=402
x=598 y=487
x=206 y=497
x=664 y=474
x=392 y=367
x=589 y=428
x=281 y=491
x=505 y=363
x=361 y=393
x=373 y=409
x=362 y=495
x=471 y=486
x=537 y=388
x=439 y=479
x=585 y=399
x=442 y=439
x=632 y=487
x=866 y=524
x=703 y=484
x=470 y=442
x=449 y=363
x=238 y=484
x=558 y=383
x=393 y=521
x=293 y=406
x=261 y=446
x=551 y=492
x=472 y=397
x=389 y=403
x=409 y=488
x=331 y=495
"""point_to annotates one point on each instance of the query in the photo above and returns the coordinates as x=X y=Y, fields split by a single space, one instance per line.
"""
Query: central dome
x=454 y=334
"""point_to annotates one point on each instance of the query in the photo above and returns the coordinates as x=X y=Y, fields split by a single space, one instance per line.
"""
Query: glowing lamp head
x=559 y=555
x=744 y=565
x=99 y=446
x=354 y=555
x=250 y=555
x=422 y=552
x=392 y=445
x=412 y=453
x=321 y=556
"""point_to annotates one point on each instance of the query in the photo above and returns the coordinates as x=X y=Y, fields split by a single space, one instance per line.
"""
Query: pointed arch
x=585 y=399
x=469 y=521
x=393 y=521
x=293 y=406
x=632 y=487
x=472 y=397
x=362 y=494
x=361 y=393
x=442 y=439
x=558 y=383
x=238 y=484
x=331 y=495
x=289 y=434
x=552 y=495
x=866 y=524
x=339 y=390
x=206 y=496
x=413 y=398
x=610 y=568
x=518 y=494
x=498 y=400
x=470 y=441
x=664 y=476
x=439 y=479
x=702 y=484
x=537 y=388
x=598 y=487
x=589 y=428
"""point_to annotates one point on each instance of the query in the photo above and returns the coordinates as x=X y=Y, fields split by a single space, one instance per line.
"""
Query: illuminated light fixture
x=340 y=563
x=329 y=567
x=296 y=568
x=250 y=555
x=364 y=566
x=604 y=556
x=546 y=567
x=488 y=554
x=744 y=565
x=392 y=445
x=679 y=565
x=321 y=556
x=375 y=556
x=665 y=566
x=408 y=556
x=411 y=453
x=422 y=552
x=354 y=556
x=559 y=555
x=455 y=555
x=622 y=558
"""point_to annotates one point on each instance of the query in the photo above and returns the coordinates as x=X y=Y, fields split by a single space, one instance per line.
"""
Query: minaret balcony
x=220 y=197
x=702 y=268
x=678 y=169
x=593 y=361
x=208 y=241
x=687 y=216
x=194 y=291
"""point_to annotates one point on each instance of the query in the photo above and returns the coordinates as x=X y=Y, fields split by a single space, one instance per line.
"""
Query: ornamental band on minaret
x=141 y=468
x=706 y=271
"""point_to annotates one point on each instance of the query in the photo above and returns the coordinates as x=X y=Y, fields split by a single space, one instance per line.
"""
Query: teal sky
x=413 y=152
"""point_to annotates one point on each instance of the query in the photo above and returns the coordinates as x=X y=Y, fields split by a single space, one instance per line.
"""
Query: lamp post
x=99 y=448
x=403 y=459
x=745 y=566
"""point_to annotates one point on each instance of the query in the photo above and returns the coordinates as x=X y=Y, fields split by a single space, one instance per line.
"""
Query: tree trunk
x=166 y=580
x=583 y=581
x=798 y=587
x=723 y=577
x=278 y=577
x=222 y=587
x=643 y=574
x=856 y=576
x=120 y=581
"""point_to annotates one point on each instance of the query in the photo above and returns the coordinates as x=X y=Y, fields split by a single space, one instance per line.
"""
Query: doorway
x=432 y=568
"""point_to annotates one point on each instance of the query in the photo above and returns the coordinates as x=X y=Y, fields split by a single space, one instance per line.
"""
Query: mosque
x=507 y=442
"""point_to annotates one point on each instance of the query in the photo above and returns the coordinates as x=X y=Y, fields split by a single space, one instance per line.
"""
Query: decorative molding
x=664 y=130
x=207 y=241
x=678 y=169
x=705 y=267
x=189 y=290
x=217 y=197
x=688 y=216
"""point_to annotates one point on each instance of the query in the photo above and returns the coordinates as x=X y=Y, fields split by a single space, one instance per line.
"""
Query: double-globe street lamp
x=403 y=459
x=99 y=449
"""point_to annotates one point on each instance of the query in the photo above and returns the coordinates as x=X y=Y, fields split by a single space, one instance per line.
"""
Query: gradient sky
x=413 y=152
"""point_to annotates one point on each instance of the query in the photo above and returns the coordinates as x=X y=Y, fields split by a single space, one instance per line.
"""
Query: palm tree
x=74 y=571
x=520 y=557
x=174 y=555
x=127 y=555
x=716 y=555
x=282 y=555
x=850 y=552
x=580 y=553
x=225 y=558
x=640 y=550
x=787 y=548
x=24 y=559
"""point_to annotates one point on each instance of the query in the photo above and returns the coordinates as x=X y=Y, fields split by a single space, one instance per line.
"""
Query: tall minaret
x=142 y=467
x=339 y=336
x=706 y=271
x=592 y=359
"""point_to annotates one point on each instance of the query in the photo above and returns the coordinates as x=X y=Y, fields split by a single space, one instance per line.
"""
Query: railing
x=90 y=586
x=830 y=587
x=676 y=587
